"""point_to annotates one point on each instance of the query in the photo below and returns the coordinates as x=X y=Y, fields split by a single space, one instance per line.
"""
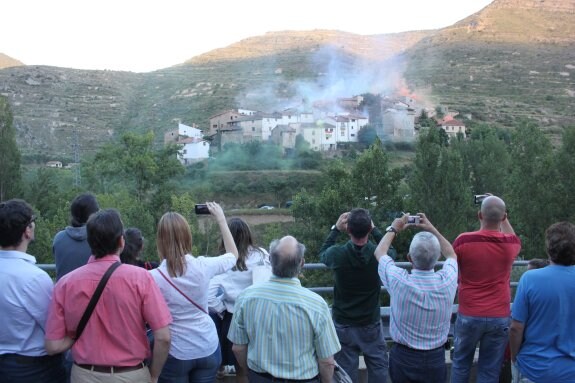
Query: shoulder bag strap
x=94 y=300
x=181 y=292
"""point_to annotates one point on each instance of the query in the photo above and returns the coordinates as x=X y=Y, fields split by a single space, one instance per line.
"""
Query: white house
x=194 y=147
x=320 y=136
x=452 y=127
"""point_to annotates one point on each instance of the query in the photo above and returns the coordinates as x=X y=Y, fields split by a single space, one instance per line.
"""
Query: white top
x=225 y=288
x=193 y=331
x=25 y=295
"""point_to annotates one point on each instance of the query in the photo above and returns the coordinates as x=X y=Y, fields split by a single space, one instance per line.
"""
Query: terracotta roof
x=452 y=122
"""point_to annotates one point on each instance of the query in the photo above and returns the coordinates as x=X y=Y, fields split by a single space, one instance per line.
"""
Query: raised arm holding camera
x=356 y=295
x=485 y=260
x=184 y=280
x=421 y=301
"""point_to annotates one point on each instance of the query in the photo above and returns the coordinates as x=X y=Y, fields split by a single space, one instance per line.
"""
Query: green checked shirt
x=287 y=329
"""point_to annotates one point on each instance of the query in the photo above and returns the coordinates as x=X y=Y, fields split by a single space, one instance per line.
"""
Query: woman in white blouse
x=225 y=288
x=183 y=280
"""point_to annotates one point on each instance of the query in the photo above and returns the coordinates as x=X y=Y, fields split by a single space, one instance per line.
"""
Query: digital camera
x=478 y=198
x=201 y=208
x=414 y=219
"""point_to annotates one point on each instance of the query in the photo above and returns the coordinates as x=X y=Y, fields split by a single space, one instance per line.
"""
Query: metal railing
x=327 y=290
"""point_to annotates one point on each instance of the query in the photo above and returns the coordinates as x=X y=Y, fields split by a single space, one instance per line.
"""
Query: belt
x=27 y=359
x=111 y=369
x=415 y=349
x=282 y=380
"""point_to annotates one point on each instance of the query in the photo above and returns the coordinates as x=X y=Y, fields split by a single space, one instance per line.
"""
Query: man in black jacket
x=356 y=295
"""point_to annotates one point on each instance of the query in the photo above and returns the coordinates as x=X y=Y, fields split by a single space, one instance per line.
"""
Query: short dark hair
x=15 y=216
x=82 y=207
x=133 y=246
x=560 y=243
x=104 y=230
x=538 y=263
x=359 y=223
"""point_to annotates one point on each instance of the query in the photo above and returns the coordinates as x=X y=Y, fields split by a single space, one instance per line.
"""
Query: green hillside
x=512 y=60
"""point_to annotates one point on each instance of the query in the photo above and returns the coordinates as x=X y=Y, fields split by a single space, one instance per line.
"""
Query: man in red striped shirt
x=485 y=259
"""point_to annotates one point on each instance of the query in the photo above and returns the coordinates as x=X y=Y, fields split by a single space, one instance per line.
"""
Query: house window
x=253 y=128
x=313 y=141
x=342 y=133
x=353 y=135
x=185 y=151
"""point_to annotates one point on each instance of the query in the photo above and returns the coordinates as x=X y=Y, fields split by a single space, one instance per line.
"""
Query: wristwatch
x=334 y=227
x=391 y=229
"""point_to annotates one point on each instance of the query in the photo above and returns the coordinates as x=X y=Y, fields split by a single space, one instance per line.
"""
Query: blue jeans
x=492 y=335
x=201 y=370
x=25 y=369
x=413 y=366
x=369 y=340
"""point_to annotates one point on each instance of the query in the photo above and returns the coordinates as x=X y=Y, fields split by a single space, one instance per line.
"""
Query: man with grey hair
x=281 y=331
x=421 y=302
x=485 y=258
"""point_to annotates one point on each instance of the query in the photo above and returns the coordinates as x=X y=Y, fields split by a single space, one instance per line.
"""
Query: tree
x=439 y=186
x=367 y=135
x=10 y=175
x=532 y=188
x=135 y=164
x=486 y=160
x=564 y=166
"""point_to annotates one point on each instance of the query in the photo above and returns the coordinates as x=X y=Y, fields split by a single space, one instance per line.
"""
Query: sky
x=147 y=35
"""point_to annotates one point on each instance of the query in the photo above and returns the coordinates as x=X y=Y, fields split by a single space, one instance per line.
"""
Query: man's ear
x=409 y=258
x=479 y=215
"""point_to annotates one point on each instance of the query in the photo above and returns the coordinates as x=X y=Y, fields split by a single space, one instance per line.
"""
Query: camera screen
x=201 y=209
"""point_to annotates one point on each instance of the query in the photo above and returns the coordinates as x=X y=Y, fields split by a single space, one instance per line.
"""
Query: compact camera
x=414 y=219
x=479 y=198
x=201 y=208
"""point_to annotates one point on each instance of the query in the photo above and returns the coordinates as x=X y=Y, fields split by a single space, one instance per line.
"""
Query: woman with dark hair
x=133 y=247
x=184 y=280
x=225 y=288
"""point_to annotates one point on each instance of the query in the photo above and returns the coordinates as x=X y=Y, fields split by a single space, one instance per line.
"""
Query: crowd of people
x=111 y=317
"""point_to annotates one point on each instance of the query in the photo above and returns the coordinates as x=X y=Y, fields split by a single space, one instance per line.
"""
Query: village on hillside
x=324 y=126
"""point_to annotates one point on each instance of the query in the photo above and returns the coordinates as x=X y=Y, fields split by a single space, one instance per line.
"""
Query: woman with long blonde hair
x=183 y=280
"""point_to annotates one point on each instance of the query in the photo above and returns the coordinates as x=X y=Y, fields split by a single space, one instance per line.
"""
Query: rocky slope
x=513 y=59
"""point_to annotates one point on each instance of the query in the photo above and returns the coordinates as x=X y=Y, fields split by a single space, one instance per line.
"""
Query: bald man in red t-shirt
x=485 y=258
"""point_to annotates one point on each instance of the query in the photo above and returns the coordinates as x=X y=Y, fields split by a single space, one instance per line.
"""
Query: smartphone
x=201 y=208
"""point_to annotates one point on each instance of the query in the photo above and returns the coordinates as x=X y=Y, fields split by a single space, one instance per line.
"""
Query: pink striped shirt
x=421 y=303
x=115 y=334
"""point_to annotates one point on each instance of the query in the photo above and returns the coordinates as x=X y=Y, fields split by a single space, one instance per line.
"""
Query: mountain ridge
x=8 y=62
x=526 y=72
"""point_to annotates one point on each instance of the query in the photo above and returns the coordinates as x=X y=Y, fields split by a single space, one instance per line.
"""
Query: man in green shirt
x=356 y=295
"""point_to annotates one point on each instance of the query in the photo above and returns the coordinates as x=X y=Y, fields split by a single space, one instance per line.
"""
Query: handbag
x=95 y=298
x=181 y=292
x=339 y=375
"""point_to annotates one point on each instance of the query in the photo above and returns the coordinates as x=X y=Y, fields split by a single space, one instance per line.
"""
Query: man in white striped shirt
x=281 y=331
x=421 y=302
